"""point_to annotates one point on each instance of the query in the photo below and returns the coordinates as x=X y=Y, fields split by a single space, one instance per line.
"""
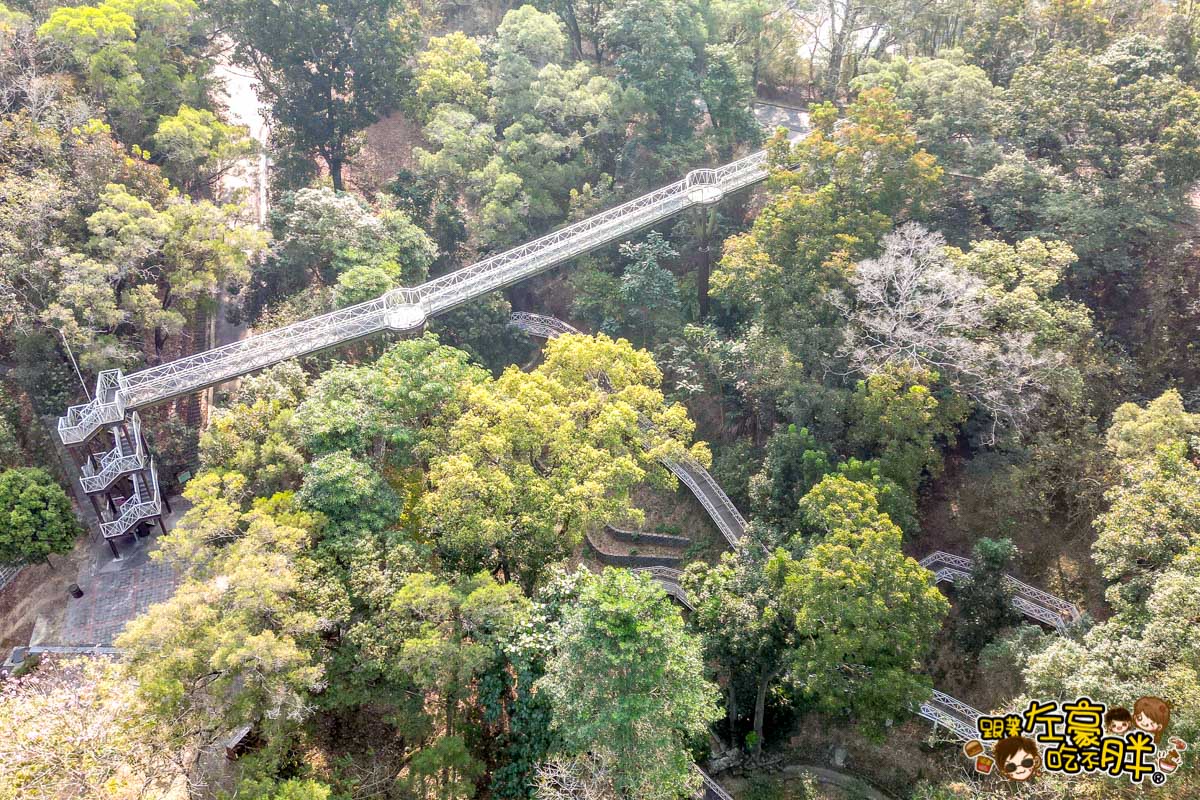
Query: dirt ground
x=39 y=591
x=1049 y=558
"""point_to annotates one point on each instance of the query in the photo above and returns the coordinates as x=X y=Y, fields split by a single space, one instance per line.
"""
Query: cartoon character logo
x=1152 y=714
x=1118 y=721
x=1018 y=758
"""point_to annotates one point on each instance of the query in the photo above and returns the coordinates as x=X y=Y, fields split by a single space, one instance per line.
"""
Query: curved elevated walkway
x=668 y=578
x=1030 y=601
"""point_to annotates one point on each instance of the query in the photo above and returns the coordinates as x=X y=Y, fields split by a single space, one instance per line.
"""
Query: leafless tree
x=575 y=778
x=914 y=306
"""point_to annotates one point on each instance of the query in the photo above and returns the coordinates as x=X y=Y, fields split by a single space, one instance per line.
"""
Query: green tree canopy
x=859 y=647
x=327 y=70
x=628 y=681
x=36 y=518
x=537 y=456
x=984 y=600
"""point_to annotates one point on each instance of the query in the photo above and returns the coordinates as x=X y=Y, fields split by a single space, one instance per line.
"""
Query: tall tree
x=985 y=600
x=327 y=71
x=537 y=456
x=848 y=185
x=36 y=518
x=747 y=631
x=858 y=646
x=238 y=642
x=627 y=681
x=80 y=732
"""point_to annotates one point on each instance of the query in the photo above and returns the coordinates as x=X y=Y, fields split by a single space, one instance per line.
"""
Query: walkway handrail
x=710 y=789
x=951 y=713
x=668 y=578
x=115 y=462
x=402 y=309
x=1029 y=600
x=144 y=504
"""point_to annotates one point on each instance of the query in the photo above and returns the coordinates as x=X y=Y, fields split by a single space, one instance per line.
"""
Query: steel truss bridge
x=401 y=309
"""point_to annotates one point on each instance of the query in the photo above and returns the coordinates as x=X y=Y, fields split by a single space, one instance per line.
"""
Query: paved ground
x=115 y=592
x=772 y=116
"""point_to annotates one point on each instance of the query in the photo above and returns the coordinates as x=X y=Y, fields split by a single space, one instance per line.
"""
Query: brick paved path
x=115 y=592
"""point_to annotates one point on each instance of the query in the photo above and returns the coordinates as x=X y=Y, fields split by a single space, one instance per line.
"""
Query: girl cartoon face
x=1118 y=721
x=1152 y=714
x=1017 y=757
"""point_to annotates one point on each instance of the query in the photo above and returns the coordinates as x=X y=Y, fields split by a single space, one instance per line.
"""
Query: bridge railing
x=952 y=714
x=146 y=503
x=402 y=308
x=126 y=456
x=1029 y=600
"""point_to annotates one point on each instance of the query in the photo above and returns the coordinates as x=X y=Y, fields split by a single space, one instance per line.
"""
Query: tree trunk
x=335 y=173
x=731 y=706
x=705 y=272
x=760 y=705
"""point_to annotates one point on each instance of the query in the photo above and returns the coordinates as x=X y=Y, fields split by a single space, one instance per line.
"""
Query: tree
x=954 y=107
x=656 y=47
x=237 y=643
x=136 y=58
x=327 y=71
x=858 y=646
x=439 y=638
x=1136 y=433
x=199 y=149
x=794 y=463
x=78 y=731
x=1096 y=130
x=914 y=306
x=352 y=496
x=537 y=456
x=847 y=186
x=450 y=70
x=1153 y=517
x=901 y=420
x=728 y=95
x=169 y=262
x=254 y=440
x=36 y=518
x=746 y=628
x=984 y=600
x=383 y=411
x=1147 y=548
x=626 y=681
x=648 y=292
x=326 y=238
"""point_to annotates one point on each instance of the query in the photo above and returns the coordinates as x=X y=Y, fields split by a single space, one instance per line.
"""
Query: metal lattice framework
x=952 y=714
x=692 y=473
x=402 y=309
x=1029 y=600
x=128 y=455
x=145 y=503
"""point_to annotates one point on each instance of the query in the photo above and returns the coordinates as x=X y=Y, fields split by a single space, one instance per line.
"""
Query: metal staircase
x=128 y=455
x=144 y=503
